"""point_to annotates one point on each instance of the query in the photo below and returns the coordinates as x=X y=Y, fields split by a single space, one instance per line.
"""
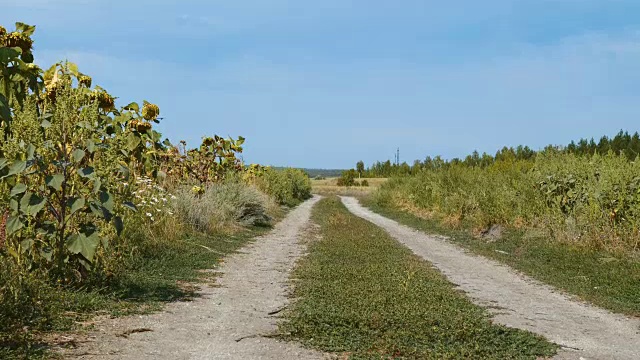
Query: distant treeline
x=623 y=143
x=314 y=173
x=327 y=173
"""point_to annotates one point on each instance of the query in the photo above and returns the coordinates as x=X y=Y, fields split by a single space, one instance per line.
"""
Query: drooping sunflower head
x=140 y=126
x=84 y=80
x=207 y=141
x=3 y=31
x=144 y=126
x=17 y=39
x=150 y=111
x=105 y=101
x=133 y=124
x=53 y=88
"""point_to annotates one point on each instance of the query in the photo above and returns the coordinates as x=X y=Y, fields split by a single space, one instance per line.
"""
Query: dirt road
x=226 y=321
x=515 y=300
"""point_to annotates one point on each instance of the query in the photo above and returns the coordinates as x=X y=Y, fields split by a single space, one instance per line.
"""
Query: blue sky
x=327 y=83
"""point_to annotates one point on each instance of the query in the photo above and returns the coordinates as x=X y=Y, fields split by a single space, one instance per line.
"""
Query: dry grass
x=408 y=206
x=329 y=187
x=225 y=207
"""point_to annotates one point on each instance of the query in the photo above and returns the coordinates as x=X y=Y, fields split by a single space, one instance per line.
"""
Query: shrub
x=348 y=178
x=288 y=187
x=364 y=182
x=223 y=206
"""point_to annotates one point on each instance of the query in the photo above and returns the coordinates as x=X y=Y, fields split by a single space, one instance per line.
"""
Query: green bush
x=288 y=187
x=348 y=178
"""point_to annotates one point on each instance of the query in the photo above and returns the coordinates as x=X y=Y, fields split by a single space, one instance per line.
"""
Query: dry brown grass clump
x=225 y=207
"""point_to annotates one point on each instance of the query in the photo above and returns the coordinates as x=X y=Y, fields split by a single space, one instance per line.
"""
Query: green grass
x=161 y=272
x=602 y=278
x=362 y=294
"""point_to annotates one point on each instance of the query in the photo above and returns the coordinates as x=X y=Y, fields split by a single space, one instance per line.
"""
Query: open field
x=329 y=186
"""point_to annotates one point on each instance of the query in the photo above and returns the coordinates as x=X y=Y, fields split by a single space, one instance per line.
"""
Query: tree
x=386 y=168
x=347 y=179
x=403 y=169
x=486 y=160
x=417 y=166
x=360 y=168
x=604 y=145
x=634 y=147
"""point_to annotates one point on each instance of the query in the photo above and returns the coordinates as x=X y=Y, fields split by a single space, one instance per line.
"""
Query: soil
x=234 y=320
x=515 y=300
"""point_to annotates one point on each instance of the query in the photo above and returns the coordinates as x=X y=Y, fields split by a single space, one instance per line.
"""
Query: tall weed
x=592 y=201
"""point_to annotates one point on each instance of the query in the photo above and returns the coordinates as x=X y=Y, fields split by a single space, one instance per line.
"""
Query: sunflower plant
x=60 y=202
x=18 y=75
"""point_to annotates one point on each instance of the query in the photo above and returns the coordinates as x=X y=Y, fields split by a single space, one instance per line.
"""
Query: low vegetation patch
x=610 y=280
x=362 y=294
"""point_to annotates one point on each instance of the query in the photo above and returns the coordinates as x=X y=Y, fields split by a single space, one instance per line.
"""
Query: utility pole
x=398 y=157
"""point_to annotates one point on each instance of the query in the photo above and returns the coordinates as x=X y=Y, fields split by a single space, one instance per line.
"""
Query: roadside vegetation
x=361 y=294
x=567 y=216
x=338 y=186
x=99 y=214
x=604 y=279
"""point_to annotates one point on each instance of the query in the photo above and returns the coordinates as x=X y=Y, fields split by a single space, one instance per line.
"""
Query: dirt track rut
x=226 y=322
x=584 y=331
